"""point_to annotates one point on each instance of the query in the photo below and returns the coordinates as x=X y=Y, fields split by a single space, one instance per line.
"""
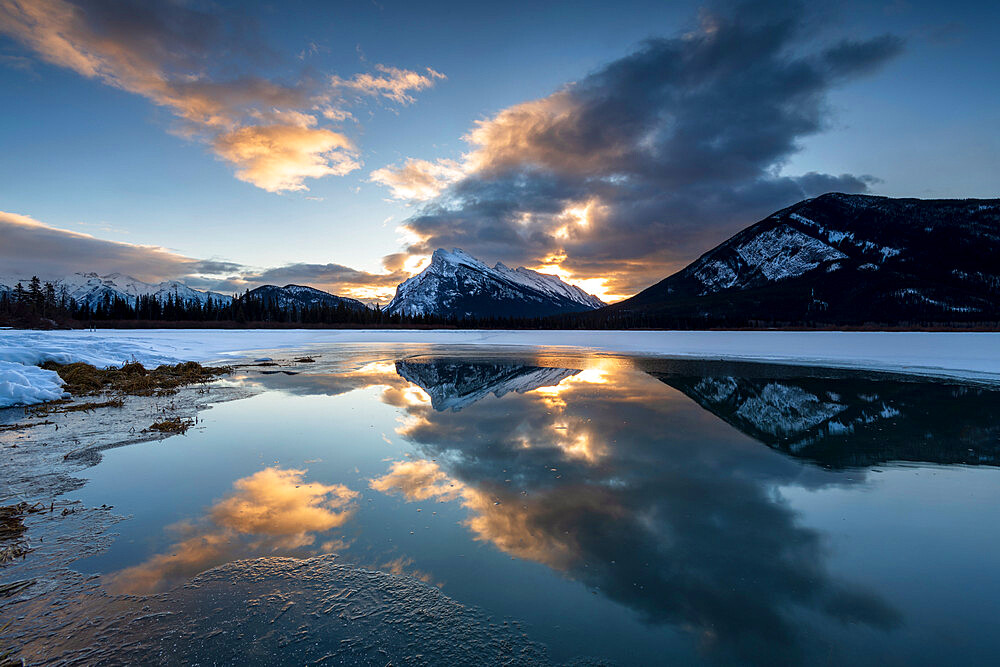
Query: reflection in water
x=454 y=385
x=273 y=510
x=850 y=419
x=683 y=531
x=605 y=471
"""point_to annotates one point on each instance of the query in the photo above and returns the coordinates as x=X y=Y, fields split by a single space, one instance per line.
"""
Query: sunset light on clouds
x=326 y=123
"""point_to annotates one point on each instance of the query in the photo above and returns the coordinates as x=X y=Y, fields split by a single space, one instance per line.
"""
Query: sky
x=337 y=144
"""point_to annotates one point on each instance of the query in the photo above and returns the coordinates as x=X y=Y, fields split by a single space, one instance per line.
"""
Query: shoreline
x=973 y=356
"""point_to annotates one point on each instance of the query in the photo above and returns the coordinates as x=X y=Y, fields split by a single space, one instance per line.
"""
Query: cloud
x=278 y=158
x=334 y=278
x=29 y=247
x=672 y=148
x=199 y=65
x=418 y=180
x=392 y=83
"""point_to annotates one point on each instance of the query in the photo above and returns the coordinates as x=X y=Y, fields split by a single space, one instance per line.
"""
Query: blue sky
x=89 y=156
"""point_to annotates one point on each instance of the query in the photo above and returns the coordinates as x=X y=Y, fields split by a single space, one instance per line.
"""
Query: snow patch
x=785 y=252
x=28 y=385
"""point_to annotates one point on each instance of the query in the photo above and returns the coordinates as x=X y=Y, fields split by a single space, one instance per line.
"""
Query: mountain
x=453 y=385
x=302 y=296
x=841 y=259
x=456 y=284
x=92 y=289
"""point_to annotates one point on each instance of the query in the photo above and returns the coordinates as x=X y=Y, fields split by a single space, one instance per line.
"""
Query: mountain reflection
x=849 y=419
x=678 y=517
x=646 y=480
x=454 y=385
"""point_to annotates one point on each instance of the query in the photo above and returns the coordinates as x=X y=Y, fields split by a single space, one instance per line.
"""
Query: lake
x=560 y=507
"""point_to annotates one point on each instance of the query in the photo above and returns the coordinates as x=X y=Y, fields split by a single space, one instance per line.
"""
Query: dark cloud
x=29 y=247
x=214 y=266
x=673 y=148
x=334 y=278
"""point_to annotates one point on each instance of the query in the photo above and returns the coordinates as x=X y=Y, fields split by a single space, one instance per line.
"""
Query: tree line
x=44 y=303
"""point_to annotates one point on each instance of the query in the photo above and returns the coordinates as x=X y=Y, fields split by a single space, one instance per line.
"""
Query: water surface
x=616 y=509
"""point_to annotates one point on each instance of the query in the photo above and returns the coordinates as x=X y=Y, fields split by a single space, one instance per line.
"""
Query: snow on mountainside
x=455 y=385
x=92 y=289
x=846 y=257
x=457 y=284
x=300 y=296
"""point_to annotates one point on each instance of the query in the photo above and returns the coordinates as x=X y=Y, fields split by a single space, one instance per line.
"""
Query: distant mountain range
x=91 y=289
x=301 y=296
x=841 y=258
x=456 y=284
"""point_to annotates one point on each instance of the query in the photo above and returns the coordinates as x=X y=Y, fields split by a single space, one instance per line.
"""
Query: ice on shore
x=944 y=354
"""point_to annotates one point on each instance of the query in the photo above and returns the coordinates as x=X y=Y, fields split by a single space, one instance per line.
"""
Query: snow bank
x=27 y=385
x=947 y=354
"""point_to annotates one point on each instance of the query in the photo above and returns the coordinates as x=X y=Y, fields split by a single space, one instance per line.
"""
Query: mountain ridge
x=841 y=258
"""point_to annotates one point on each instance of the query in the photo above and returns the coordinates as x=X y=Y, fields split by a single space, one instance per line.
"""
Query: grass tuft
x=174 y=425
x=132 y=378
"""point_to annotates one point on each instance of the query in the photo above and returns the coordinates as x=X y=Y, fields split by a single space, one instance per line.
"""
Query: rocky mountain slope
x=843 y=258
x=456 y=284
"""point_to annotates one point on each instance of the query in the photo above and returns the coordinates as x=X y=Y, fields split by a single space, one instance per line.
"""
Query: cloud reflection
x=273 y=510
x=679 y=518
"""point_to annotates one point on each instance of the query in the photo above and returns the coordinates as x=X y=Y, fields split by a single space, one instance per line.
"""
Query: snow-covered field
x=964 y=355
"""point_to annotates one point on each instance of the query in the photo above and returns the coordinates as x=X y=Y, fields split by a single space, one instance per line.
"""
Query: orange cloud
x=393 y=83
x=169 y=54
x=418 y=180
x=278 y=158
x=511 y=524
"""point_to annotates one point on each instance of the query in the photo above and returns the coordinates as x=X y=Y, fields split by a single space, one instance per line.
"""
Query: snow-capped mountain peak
x=456 y=284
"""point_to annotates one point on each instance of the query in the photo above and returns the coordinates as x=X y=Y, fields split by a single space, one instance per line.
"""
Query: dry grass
x=56 y=407
x=174 y=425
x=20 y=427
x=132 y=378
x=12 y=529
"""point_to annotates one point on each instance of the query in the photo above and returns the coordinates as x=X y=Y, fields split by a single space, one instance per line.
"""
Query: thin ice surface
x=275 y=611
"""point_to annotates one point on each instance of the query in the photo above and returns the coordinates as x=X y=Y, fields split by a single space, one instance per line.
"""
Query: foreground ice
x=945 y=354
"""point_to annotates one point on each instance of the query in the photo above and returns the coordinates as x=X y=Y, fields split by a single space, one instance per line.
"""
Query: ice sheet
x=943 y=354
